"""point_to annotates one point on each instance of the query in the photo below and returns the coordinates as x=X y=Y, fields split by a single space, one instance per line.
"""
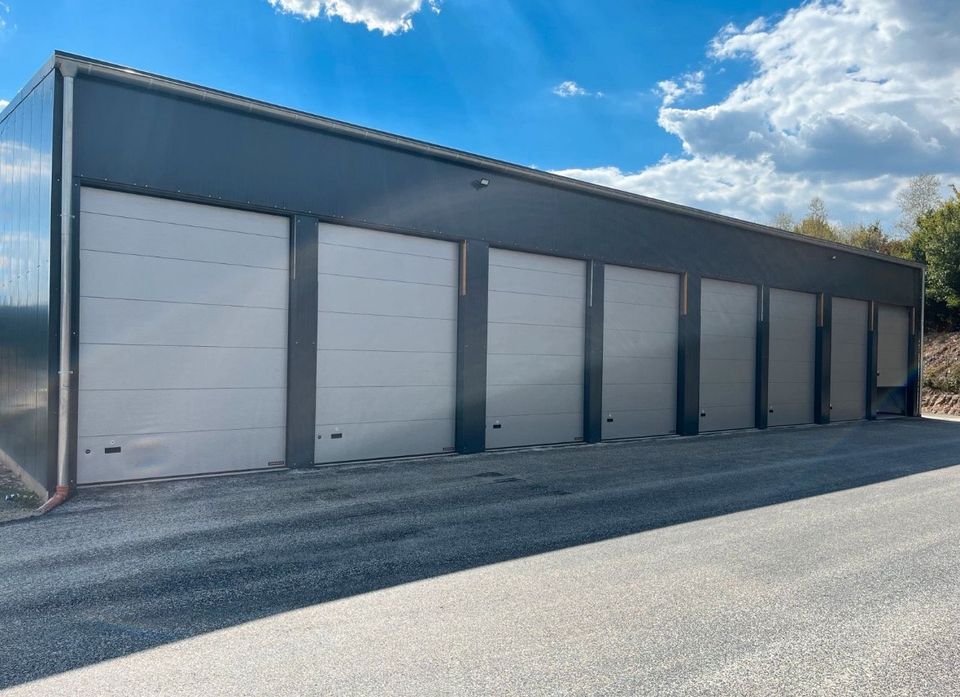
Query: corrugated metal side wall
x=26 y=157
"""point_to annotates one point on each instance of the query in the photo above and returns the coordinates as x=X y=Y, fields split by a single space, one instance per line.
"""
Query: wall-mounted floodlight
x=481 y=183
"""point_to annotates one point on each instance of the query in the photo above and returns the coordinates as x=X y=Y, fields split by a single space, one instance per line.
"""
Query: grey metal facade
x=26 y=335
x=143 y=134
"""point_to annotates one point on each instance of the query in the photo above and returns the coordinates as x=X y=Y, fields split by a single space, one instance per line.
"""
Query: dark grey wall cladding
x=26 y=161
x=131 y=136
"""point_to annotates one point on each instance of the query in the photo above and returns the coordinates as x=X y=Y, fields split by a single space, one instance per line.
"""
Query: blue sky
x=690 y=101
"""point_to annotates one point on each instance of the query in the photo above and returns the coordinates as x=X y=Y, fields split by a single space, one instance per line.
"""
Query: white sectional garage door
x=183 y=325
x=848 y=360
x=640 y=325
x=728 y=355
x=535 y=349
x=793 y=345
x=893 y=337
x=387 y=345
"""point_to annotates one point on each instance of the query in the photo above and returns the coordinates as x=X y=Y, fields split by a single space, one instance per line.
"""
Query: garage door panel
x=728 y=324
x=534 y=339
x=848 y=360
x=350 y=405
x=723 y=347
x=509 y=259
x=535 y=429
x=638 y=397
x=386 y=338
x=512 y=369
x=516 y=308
x=792 y=343
x=725 y=394
x=379 y=440
x=183 y=326
x=527 y=281
x=115 y=366
x=628 y=274
x=109 y=233
x=148 y=208
x=370 y=333
x=376 y=241
x=129 y=412
x=360 y=262
x=656 y=318
x=393 y=298
x=728 y=353
x=640 y=320
x=639 y=423
x=178 y=454
x=147 y=322
x=523 y=400
x=388 y=368
x=642 y=293
x=630 y=370
x=727 y=418
x=723 y=371
x=107 y=275
x=639 y=344
x=536 y=307
x=893 y=333
x=795 y=374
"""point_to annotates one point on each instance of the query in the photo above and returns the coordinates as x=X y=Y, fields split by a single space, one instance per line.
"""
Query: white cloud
x=672 y=90
x=3 y=104
x=386 y=16
x=846 y=100
x=569 y=88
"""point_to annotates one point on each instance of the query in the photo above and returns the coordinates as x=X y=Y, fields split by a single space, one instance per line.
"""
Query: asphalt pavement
x=808 y=561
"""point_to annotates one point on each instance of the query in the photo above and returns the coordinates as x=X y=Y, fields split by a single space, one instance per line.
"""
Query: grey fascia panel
x=80 y=64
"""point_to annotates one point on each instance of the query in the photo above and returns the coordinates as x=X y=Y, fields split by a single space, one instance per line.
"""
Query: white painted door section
x=728 y=355
x=792 y=367
x=183 y=326
x=848 y=360
x=386 y=345
x=535 y=349
x=640 y=327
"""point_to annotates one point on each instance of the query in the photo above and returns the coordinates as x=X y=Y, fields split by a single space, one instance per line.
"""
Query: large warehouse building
x=192 y=282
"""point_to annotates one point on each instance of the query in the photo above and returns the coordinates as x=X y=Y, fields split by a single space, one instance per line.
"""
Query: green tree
x=867 y=237
x=921 y=196
x=936 y=243
x=816 y=223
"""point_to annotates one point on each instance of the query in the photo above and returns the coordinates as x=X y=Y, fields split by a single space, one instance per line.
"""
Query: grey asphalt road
x=814 y=561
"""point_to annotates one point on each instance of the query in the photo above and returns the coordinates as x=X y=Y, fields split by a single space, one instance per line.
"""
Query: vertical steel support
x=911 y=405
x=688 y=357
x=302 y=343
x=68 y=251
x=471 y=412
x=762 y=381
x=593 y=355
x=821 y=388
x=872 y=348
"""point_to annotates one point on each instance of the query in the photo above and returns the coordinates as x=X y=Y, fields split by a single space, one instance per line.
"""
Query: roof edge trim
x=84 y=65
